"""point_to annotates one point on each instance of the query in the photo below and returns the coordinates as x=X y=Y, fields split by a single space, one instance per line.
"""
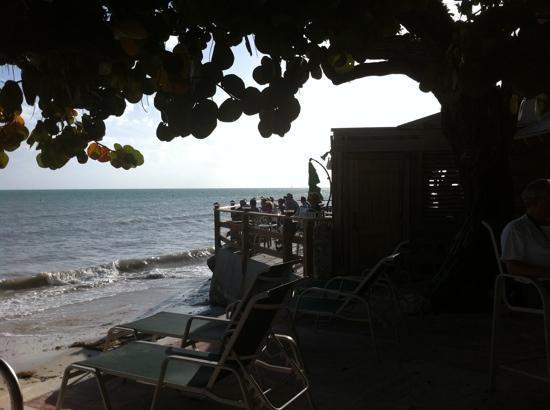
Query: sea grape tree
x=97 y=56
x=82 y=62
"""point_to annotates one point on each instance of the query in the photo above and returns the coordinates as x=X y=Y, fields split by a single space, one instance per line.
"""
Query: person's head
x=314 y=198
x=536 y=197
x=242 y=202
x=253 y=202
x=268 y=207
x=303 y=200
x=280 y=201
x=232 y=203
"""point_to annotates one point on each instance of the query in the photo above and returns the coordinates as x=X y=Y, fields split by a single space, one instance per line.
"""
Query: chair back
x=273 y=276
x=372 y=276
x=246 y=338
x=496 y=248
x=401 y=245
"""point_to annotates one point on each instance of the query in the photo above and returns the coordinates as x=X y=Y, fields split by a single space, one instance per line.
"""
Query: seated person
x=253 y=206
x=290 y=203
x=237 y=216
x=281 y=205
x=525 y=241
x=315 y=201
x=303 y=208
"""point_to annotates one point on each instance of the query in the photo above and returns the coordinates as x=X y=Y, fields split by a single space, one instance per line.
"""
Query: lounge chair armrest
x=323 y=291
x=536 y=283
x=199 y=317
x=285 y=340
x=346 y=297
x=230 y=309
x=528 y=280
x=342 y=279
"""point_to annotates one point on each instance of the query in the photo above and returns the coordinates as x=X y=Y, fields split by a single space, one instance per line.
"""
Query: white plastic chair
x=502 y=303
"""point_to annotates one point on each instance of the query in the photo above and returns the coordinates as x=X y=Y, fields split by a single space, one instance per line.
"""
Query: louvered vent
x=443 y=195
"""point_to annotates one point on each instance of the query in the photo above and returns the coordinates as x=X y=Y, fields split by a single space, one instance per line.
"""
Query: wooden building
x=397 y=183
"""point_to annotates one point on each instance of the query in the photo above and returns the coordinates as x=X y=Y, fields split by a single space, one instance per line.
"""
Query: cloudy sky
x=234 y=155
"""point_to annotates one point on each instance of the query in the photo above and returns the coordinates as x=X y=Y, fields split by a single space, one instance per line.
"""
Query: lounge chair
x=196 y=328
x=198 y=373
x=341 y=296
x=350 y=282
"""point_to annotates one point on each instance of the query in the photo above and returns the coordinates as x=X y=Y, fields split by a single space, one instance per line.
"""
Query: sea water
x=75 y=262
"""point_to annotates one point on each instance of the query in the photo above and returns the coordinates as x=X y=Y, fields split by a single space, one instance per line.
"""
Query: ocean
x=75 y=262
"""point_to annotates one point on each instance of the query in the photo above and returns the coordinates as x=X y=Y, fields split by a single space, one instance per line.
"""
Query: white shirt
x=523 y=241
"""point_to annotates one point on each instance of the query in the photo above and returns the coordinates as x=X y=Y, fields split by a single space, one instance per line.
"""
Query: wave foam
x=108 y=273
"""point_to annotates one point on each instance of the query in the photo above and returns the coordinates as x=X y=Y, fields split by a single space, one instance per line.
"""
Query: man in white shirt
x=525 y=241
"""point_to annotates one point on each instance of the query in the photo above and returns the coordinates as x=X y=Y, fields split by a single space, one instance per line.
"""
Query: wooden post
x=245 y=240
x=308 y=247
x=217 y=241
x=288 y=233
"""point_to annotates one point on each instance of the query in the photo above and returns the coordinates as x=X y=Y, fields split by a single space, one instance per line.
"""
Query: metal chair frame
x=501 y=304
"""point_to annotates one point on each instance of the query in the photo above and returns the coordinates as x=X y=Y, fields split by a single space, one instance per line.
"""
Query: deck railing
x=279 y=235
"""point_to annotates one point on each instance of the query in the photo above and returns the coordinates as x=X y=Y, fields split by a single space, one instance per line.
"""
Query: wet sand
x=35 y=340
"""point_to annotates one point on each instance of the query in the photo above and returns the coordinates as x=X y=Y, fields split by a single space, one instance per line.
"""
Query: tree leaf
x=4 y=159
x=233 y=85
x=230 y=110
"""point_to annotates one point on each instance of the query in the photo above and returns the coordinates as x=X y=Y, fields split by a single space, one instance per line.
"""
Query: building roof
x=430 y=122
x=530 y=124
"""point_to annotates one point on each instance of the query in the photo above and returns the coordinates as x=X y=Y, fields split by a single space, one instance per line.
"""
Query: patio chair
x=351 y=280
x=503 y=303
x=198 y=373
x=196 y=328
x=341 y=296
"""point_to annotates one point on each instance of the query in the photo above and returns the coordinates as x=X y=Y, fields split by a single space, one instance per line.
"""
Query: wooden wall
x=389 y=184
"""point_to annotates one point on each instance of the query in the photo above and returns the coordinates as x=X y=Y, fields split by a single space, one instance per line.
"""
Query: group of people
x=286 y=205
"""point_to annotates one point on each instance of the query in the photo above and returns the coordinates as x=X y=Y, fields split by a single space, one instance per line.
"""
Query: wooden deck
x=274 y=236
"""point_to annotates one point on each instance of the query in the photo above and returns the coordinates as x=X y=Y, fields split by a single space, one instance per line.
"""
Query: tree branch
x=362 y=70
x=402 y=47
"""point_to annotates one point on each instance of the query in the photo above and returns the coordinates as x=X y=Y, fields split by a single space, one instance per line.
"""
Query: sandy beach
x=35 y=340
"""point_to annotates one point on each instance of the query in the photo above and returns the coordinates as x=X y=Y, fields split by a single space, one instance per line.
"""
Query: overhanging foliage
x=96 y=56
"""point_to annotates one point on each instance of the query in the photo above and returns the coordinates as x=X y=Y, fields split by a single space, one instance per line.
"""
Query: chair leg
x=61 y=395
x=546 y=315
x=399 y=310
x=371 y=328
x=69 y=372
x=102 y=390
x=309 y=397
x=495 y=328
x=244 y=390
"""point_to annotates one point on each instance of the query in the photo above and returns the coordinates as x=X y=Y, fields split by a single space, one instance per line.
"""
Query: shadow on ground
x=441 y=362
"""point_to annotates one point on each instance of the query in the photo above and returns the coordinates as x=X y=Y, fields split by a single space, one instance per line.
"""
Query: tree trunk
x=480 y=127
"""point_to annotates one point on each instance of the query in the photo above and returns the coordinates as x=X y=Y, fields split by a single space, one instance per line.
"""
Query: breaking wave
x=156 y=267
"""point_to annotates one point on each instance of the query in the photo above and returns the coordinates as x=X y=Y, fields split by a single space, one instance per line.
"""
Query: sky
x=234 y=155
